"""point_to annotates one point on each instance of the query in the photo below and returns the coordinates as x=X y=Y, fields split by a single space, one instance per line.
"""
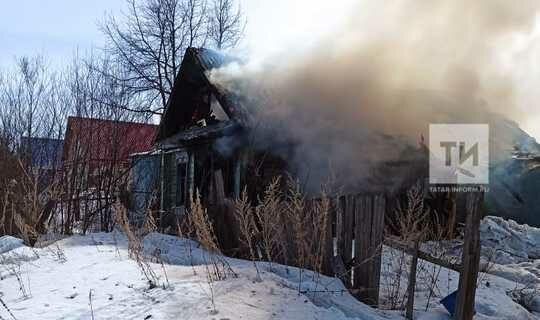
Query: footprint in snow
x=72 y=296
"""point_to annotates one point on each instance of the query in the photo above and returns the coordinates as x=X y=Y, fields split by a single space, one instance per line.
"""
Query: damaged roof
x=191 y=82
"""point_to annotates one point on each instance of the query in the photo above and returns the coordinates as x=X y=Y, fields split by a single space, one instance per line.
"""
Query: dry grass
x=135 y=246
x=22 y=204
x=287 y=227
x=269 y=217
x=202 y=225
x=412 y=219
x=321 y=213
x=15 y=269
x=412 y=226
x=295 y=208
x=525 y=295
x=216 y=266
x=246 y=223
x=414 y=223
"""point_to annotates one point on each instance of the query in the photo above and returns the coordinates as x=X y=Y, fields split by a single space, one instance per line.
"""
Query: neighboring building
x=96 y=165
x=44 y=153
x=44 y=156
x=92 y=145
x=515 y=184
x=100 y=141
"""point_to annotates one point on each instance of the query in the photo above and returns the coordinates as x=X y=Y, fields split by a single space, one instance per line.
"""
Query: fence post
x=470 y=259
x=369 y=212
x=412 y=282
x=348 y=221
x=376 y=245
x=362 y=242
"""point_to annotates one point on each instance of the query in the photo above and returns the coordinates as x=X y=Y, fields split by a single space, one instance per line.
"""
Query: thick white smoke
x=396 y=67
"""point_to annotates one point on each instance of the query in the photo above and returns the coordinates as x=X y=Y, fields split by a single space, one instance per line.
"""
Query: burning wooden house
x=201 y=115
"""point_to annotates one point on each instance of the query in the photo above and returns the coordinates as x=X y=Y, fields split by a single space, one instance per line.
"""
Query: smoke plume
x=396 y=67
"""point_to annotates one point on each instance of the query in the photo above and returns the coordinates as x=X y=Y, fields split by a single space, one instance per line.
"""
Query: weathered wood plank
x=422 y=255
x=363 y=254
x=376 y=239
x=190 y=179
x=237 y=175
x=219 y=187
x=340 y=229
x=470 y=259
x=360 y=253
x=348 y=217
x=412 y=283
x=348 y=228
x=328 y=257
x=362 y=248
x=230 y=227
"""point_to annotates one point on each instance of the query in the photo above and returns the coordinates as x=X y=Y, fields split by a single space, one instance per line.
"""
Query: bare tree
x=94 y=169
x=150 y=42
x=23 y=97
x=35 y=103
x=31 y=122
x=226 y=26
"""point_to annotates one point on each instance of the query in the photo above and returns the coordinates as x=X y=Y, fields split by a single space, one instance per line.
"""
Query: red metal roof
x=106 y=140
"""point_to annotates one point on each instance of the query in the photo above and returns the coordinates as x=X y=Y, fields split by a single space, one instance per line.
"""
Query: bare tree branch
x=150 y=44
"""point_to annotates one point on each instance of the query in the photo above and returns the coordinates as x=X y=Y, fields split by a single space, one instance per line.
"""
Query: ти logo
x=459 y=154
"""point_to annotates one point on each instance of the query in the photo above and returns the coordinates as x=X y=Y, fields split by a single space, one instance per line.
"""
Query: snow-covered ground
x=509 y=287
x=59 y=280
x=92 y=277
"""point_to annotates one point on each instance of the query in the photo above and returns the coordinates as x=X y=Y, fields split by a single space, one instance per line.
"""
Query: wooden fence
x=358 y=233
x=352 y=245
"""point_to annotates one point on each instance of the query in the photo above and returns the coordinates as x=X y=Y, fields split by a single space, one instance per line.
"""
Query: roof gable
x=192 y=93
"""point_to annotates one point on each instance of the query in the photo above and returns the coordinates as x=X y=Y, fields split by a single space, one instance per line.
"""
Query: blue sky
x=58 y=28
x=54 y=28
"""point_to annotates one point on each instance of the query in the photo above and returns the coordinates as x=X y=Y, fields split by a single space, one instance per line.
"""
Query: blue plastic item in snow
x=449 y=302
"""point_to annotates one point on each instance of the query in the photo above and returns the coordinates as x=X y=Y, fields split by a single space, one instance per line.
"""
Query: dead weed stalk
x=135 y=246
